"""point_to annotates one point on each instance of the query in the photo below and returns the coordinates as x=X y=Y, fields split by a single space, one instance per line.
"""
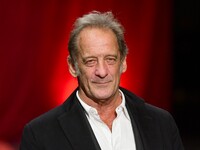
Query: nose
x=101 y=69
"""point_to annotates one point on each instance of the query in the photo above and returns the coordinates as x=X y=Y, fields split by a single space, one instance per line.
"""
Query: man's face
x=99 y=64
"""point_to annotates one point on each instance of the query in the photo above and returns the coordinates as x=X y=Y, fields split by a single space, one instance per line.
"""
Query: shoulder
x=158 y=113
x=144 y=108
x=41 y=131
x=50 y=118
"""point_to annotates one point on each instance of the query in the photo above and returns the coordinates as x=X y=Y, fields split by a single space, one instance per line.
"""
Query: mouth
x=101 y=82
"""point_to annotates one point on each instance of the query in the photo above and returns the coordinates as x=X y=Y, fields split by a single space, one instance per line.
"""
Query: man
x=99 y=114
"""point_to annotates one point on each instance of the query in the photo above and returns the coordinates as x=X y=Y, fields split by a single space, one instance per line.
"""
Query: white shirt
x=121 y=137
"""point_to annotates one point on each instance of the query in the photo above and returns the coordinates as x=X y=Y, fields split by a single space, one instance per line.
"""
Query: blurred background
x=163 y=64
x=186 y=66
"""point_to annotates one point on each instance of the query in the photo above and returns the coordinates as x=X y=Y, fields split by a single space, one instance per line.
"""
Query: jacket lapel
x=76 y=126
x=146 y=134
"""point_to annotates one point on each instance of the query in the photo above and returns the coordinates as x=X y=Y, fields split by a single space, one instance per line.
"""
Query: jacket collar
x=76 y=126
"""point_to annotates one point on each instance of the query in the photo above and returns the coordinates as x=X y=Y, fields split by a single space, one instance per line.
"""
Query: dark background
x=186 y=81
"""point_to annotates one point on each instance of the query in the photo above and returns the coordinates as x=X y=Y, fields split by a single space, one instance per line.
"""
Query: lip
x=102 y=83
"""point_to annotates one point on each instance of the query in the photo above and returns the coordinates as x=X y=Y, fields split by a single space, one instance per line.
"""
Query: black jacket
x=67 y=128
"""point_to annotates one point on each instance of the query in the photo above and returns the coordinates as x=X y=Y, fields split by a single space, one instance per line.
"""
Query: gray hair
x=99 y=20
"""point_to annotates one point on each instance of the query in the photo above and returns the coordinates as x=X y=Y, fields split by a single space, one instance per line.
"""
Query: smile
x=102 y=83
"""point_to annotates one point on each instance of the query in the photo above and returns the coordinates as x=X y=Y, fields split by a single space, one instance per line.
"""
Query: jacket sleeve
x=28 y=140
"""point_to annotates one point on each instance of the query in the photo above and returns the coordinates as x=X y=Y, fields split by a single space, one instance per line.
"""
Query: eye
x=111 y=60
x=90 y=62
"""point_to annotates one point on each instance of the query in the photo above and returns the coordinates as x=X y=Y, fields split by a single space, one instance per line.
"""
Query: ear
x=71 y=66
x=123 y=66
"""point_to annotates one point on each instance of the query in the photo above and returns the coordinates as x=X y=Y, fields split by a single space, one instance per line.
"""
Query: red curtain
x=33 y=49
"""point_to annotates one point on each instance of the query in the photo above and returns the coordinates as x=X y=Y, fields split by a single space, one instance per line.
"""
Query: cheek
x=86 y=74
x=115 y=70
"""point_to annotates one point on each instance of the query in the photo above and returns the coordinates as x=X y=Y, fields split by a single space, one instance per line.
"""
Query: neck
x=105 y=108
x=102 y=105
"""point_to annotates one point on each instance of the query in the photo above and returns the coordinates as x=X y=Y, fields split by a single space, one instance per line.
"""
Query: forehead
x=97 y=39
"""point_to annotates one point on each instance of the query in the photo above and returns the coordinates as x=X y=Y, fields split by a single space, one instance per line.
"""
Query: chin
x=103 y=94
